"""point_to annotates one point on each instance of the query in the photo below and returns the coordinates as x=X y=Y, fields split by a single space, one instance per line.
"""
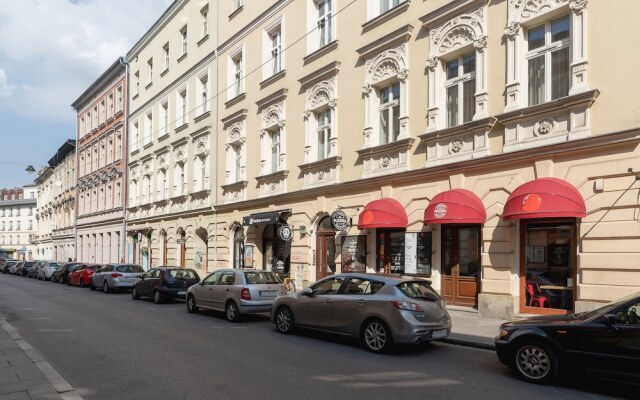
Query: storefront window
x=238 y=248
x=549 y=266
x=354 y=253
x=400 y=252
x=276 y=252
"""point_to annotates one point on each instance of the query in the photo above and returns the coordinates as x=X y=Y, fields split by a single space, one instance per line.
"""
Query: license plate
x=182 y=293
x=268 y=294
x=439 y=334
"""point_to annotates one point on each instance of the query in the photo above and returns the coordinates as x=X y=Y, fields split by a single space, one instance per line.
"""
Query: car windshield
x=182 y=274
x=53 y=265
x=608 y=308
x=419 y=290
x=259 y=277
x=129 y=268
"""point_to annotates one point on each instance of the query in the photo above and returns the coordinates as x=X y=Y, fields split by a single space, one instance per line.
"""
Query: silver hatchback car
x=115 y=276
x=236 y=292
x=379 y=309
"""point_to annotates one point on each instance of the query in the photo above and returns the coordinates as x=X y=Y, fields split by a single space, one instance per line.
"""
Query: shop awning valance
x=456 y=206
x=544 y=198
x=383 y=213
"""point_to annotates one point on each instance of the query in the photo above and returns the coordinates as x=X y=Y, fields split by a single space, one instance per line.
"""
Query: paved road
x=112 y=347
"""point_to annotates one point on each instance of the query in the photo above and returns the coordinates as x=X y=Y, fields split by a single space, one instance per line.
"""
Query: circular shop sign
x=339 y=220
x=285 y=232
x=440 y=210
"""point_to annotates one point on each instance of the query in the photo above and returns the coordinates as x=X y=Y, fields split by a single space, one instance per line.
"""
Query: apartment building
x=18 y=222
x=101 y=137
x=56 y=197
x=488 y=146
x=172 y=138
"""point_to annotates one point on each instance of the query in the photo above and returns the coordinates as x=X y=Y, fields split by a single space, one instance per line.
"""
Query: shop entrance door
x=325 y=249
x=461 y=265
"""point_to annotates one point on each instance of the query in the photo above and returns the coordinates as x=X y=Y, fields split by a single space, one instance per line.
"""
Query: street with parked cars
x=384 y=313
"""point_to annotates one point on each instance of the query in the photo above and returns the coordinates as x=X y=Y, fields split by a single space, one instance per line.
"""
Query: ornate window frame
x=234 y=126
x=523 y=14
x=272 y=111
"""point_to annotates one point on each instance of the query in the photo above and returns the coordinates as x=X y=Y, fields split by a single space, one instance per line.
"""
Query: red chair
x=536 y=299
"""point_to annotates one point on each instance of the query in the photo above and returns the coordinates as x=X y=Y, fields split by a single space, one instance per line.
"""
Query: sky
x=50 y=52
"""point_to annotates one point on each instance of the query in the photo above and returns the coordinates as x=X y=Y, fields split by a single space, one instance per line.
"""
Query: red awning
x=383 y=213
x=544 y=198
x=457 y=206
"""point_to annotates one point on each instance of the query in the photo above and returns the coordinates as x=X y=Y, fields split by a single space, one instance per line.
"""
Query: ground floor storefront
x=529 y=232
x=101 y=244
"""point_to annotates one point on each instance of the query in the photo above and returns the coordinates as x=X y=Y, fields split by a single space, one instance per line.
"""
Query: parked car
x=603 y=342
x=164 y=283
x=23 y=269
x=380 y=309
x=33 y=272
x=45 y=271
x=61 y=275
x=115 y=276
x=14 y=266
x=8 y=263
x=81 y=276
x=235 y=292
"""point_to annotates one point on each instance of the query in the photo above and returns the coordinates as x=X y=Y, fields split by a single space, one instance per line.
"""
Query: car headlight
x=503 y=333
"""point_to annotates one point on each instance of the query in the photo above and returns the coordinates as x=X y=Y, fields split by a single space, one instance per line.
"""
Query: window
x=164 y=117
x=135 y=137
x=119 y=98
x=238 y=3
x=324 y=23
x=237 y=75
x=150 y=69
x=324 y=134
x=136 y=78
x=205 y=21
x=110 y=108
x=103 y=111
x=180 y=183
x=95 y=117
x=276 y=51
x=82 y=126
x=360 y=286
x=146 y=187
x=460 y=87
x=275 y=150
x=389 y=113
x=162 y=184
x=203 y=173
x=183 y=34
x=181 y=107
x=548 y=60
x=237 y=155
x=148 y=126
x=165 y=48
x=386 y=5
x=328 y=286
x=203 y=84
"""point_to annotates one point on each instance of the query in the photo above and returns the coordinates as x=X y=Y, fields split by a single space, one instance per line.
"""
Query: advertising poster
x=354 y=253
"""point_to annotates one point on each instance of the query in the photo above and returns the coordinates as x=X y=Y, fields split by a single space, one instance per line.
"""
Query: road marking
x=37 y=319
x=56 y=330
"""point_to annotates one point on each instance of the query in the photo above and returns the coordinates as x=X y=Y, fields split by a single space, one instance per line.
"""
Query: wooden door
x=461 y=264
x=325 y=254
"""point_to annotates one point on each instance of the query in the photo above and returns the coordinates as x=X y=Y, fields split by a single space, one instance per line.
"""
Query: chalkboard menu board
x=354 y=253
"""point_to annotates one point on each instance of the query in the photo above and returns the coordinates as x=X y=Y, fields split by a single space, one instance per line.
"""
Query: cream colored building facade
x=56 y=191
x=385 y=110
x=18 y=222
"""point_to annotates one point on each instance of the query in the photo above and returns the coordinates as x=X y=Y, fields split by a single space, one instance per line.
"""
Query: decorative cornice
x=328 y=70
x=562 y=103
x=398 y=36
x=274 y=97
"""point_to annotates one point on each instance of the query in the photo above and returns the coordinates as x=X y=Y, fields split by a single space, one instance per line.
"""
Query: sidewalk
x=24 y=374
x=468 y=329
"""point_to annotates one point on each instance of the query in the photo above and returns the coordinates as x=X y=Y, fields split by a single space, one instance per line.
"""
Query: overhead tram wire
x=221 y=92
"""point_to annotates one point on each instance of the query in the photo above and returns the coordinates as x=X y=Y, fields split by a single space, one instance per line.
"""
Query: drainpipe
x=124 y=193
x=215 y=179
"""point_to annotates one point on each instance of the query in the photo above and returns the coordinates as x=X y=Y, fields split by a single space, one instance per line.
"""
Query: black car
x=604 y=342
x=165 y=283
x=23 y=269
x=61 y=275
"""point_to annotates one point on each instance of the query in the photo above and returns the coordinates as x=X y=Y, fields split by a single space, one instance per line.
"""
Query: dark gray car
x=379 y=309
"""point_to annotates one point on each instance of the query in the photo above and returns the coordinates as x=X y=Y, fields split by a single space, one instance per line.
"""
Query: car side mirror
x=308 y=292
x=610 y=320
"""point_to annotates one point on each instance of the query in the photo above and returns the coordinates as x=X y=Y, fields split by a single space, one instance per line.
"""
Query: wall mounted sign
x=285 y=232
x=339 y=220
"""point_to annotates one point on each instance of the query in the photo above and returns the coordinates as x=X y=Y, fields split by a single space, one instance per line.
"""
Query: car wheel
x=535 y=362
x=105 y=287
x=284 y=320
x=191 y=304
x=157 y=297
x=231 y=311
x=376 y=336
x=134 y=294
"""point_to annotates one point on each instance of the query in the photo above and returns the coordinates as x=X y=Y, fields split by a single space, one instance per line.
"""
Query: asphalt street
x=108 y=346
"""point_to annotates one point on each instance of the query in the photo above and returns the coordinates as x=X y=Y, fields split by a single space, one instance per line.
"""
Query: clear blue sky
x=50 y=52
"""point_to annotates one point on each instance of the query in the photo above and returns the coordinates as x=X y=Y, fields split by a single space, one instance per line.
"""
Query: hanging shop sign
x=339 y=220
x=285 y=232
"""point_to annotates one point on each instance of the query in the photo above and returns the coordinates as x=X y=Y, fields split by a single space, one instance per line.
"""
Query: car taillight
x=405 y=305
x=245 y=294
x=116 y=275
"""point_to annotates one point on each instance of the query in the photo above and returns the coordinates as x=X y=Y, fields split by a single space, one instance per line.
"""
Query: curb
x=469 y=342
x=62 y=387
